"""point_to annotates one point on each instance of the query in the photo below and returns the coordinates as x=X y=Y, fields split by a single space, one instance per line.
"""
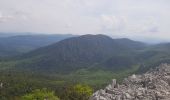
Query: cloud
x=21 y=15
x=145 y=25
x=112 y=24
x=154 y=29
x=5 y=18
x=12 y=17
x=121 y=25
x=116 y=17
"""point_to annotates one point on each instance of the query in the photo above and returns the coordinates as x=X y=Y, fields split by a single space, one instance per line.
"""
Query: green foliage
x=92 y=60
x=18 y=84
x=77 y=92
x=15 y=45
x=38 y=94
x=81 y=92
x=76 y=53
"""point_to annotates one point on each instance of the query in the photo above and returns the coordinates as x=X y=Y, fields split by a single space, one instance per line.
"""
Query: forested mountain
x=86 y=59
x=71 y=54
x=88 y=52
x=131 y=44
x=12 y=45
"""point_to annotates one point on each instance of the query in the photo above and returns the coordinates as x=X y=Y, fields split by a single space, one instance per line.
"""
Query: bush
x=42 y=94
x=80 y=92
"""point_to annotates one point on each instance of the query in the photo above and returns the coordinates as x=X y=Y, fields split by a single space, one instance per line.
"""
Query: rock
x=153 y=85
x=102 y=93
x=127 y=96
x=133 y=76
x=102 y=98
x=113 y=83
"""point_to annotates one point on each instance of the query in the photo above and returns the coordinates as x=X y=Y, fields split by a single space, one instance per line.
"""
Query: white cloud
x=5 y=18
x=12 y=17
x=116 y=17
x=113 y=24
x=145 y=25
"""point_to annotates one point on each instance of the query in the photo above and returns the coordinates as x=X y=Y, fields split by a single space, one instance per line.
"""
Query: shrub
x=40 y=94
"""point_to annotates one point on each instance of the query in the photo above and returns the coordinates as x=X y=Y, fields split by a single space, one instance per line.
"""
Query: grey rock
x=153 y=85
x=113 y=83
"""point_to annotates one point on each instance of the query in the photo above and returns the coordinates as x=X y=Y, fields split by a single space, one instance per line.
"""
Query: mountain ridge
x=76 y=53
x=90 y=52
x=15 y=45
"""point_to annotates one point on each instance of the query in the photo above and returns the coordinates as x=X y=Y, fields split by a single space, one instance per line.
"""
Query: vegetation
x=76 y=53
x=28 y=87
x=73 y=68
x=77 y=92
x=15 y=45
x=38 y=94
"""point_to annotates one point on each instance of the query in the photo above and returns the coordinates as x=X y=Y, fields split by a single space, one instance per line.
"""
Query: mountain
x=14 y=45
x=92 y=52
x=87 y=59
x=131 y=43
x=153 y=56
x=87 y=51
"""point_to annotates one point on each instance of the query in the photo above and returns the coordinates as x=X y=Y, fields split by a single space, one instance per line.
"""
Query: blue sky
x=143 y=19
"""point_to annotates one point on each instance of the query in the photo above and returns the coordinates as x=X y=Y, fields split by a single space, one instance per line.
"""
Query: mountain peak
x=77 y=52
x=98 y=36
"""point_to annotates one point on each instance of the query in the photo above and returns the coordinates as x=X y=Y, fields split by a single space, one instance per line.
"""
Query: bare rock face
x=153 y=85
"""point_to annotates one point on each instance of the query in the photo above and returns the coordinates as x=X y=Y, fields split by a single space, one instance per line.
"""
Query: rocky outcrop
x=153 y=85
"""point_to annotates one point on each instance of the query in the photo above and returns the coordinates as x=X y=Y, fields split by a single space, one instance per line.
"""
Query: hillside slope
x=90 y=52
x=14 y=45
x=87 y=51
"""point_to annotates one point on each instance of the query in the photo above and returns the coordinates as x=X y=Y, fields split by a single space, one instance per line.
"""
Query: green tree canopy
x=42 y=94
x=80 y=92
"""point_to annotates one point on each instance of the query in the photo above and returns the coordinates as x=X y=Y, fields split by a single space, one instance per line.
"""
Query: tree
x=42 y=94
x=80 y=92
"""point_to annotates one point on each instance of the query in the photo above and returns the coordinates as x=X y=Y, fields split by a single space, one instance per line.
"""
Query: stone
x=102 y=98
x=113 y=83
x=153 y=85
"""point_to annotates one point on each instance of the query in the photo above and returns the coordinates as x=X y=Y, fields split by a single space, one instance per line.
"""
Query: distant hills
x=58 y=61
x=87 y=51
x=90 y=52
x=87 y=59
x=11 y=45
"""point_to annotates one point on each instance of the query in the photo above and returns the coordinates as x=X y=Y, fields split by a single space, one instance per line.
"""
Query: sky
x=139 y=19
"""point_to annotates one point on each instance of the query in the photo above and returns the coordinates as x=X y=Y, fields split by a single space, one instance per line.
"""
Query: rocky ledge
x=153 y=85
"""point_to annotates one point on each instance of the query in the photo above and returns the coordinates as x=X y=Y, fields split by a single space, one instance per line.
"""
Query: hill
x=87 y=59
x=14 y=45
x=87 y=51
x=89 y=54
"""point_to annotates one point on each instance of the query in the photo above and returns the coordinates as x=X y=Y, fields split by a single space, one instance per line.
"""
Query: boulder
x=153 y=85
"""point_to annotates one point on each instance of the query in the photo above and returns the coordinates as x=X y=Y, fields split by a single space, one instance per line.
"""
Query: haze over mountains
x=79 y=52
x=85 y=52
x=12 y=44
x=67 y=49
x=31 y=61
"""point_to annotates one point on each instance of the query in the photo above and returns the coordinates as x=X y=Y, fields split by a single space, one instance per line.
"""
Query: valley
x=88 y=59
